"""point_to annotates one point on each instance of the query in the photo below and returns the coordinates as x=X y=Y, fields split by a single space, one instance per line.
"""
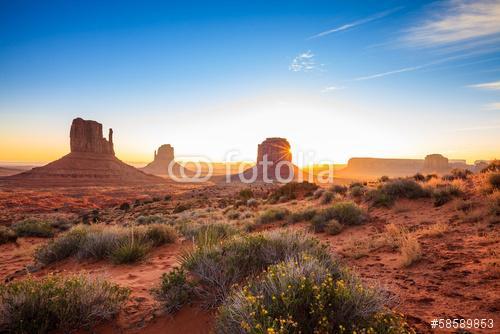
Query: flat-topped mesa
x=86 y=136
x=435 y=163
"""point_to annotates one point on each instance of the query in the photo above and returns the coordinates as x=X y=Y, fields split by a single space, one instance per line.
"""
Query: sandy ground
x=458 y=275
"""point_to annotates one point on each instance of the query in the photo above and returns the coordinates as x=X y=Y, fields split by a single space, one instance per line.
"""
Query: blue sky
x=341 y=79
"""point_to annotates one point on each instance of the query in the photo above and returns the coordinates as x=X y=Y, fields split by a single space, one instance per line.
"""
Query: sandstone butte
x=163 y=163
x=91 y=161
x=274 y=150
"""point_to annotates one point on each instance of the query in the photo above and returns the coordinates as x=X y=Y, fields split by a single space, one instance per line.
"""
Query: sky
x=338 y=79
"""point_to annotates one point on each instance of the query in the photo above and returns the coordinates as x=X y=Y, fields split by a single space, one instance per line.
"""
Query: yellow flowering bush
x=218 y=267
x=302 y=295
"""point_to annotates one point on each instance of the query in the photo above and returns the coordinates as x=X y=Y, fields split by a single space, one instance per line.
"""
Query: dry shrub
x=411 y=250
x=58 y=303
x=303 y=295
x=398 y=237
x=7 y=235
x=218 y=267
x=33 y=228
x=122 y=244
x=435 y=230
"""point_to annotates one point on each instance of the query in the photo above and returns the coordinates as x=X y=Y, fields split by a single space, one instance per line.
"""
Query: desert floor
x=456 y=277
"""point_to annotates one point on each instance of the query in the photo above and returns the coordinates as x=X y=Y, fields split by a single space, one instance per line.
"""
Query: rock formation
x=91 y=161
x=435 y=163
x=86 y=136
x=274 y=162
x=375 y=167
x=163 y=160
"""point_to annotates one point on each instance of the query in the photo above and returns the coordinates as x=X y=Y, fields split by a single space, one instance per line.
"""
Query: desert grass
x=120 y=244
x=435 y=230
x=58 y=303
x=411 y=251
x=395 y=237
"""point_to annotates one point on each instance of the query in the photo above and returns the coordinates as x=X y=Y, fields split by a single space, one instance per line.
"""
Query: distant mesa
x=376 y=167
x=92 y=161
x=274 y=162
x=163 y=163
x=435 y=163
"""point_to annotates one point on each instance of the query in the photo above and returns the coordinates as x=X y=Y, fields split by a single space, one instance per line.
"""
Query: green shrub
x=303 y=295
x=379 y=198
x=209 y=234
x=292 y=190
x=130 y=250
x=180 y=208
x=357 y=191
x=383 y=178
x=246 y=194
x=333 y=227
x=443 y=195
x=175 y=290
x=33 y=228
x=461 y=174
x=100 y=242
x=346 y=213
x=429 y=177
x=299 y=216
x=151 y=219
x=404 y=188
x=327 y=197
x=338 y=189
x=391 y=190
x=159 y=234
x=58 y=303
x=63 y=247
x=220 y=266
x=419 y=177
x=7 y=235
x=494 y=180
x=125 y=206
x=493 y=166
x=272 y=215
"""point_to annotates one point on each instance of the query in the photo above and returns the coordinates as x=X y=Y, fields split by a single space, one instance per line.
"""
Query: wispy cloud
x=418 y=67
x=458 y=21
x=492 y=106
x=383 y=74
x=332 y=89
x=304 y=62
x=495 y=85
x=356 y=23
